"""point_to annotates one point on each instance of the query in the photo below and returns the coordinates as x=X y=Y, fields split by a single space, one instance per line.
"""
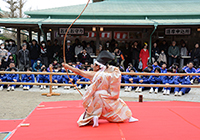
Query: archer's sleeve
x=115 y=82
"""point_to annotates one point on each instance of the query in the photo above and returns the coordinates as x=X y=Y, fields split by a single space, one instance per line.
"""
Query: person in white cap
x=101 y=100
x=69 y=52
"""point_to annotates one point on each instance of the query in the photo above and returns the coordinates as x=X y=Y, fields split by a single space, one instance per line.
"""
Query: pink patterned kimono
x=102 y=98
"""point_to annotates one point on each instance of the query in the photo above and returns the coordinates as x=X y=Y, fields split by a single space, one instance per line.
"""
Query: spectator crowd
x=129 y=58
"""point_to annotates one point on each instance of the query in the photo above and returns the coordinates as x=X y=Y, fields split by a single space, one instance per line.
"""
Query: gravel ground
x=18 y=104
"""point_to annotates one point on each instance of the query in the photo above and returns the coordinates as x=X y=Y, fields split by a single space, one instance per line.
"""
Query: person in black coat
x=195 y=55
x=135 y=52
x=56 y=48
x=34 y=50
x=4 y=63
x=164 y=47
x=44 y=53
x=127 y=55
x=23 y=56
x=83 y=56
x=50 y=52
x=155 y=52
x=69 y=50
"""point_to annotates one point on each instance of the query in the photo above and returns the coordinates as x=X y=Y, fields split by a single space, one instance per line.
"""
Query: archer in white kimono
x=101 y=100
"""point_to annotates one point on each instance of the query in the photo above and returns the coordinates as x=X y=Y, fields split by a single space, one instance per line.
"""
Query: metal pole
x=150 y=42
x=18 y=38
x=97 y=38
x=44 y=35
x=30 y=34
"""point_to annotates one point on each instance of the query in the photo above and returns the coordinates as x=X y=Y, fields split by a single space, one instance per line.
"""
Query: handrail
x=36 y=73
x=151 y=85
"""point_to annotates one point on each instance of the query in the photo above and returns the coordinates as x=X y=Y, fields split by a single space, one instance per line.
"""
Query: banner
x=177 y=31
x=72 y=31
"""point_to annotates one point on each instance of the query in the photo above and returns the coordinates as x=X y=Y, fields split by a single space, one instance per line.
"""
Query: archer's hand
x=66 y=66
x=71 y=79
x=131 y=79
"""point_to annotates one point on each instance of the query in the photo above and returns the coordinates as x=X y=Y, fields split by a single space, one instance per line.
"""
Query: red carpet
x=157 y=121
x=8 y=125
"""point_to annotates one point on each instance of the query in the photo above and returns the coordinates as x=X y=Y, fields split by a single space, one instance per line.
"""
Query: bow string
x=64 y=57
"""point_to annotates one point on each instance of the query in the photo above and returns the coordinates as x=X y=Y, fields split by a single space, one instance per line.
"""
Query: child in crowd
x=55 y=63
x=56 y=78
x=191 y=69
x=80 y=78
x=150 y=68
x=48 y=69
x=155 y=80
x=12 y=78
x=73 y=64
x=66 y=79
x=30 y=78
x=131 y=79
x=168 y=80
x=2 y=79
x=78 y=64
x=86 y=65
x=37 y=66
x=185 y=67
x=174 y=70
x=143 y=80
x=155 y=65
x=176 y=65
x=129 y=67
x=198 y=77
x=43 y=78
x=181 y=80
x=164 y=68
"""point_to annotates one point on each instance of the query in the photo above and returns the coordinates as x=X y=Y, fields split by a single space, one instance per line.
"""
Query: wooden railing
x=122 y=84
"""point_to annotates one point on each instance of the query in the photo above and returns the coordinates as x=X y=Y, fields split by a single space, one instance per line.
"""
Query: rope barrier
x=65 y=37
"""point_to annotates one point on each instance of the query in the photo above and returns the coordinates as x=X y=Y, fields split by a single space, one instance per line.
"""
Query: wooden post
x=140 y=98
x=50 y=87
x=51 y=93
x=30 y=34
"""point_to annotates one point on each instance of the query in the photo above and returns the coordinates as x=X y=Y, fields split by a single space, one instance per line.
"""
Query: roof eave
x=110 y=14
